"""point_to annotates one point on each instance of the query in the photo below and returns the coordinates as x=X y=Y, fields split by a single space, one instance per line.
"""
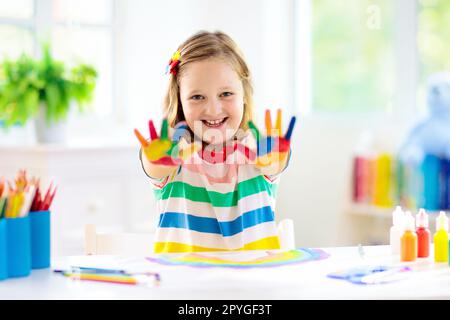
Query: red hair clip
x=173 y=63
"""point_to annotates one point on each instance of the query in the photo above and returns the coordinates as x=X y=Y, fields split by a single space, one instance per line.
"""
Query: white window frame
x=303 y=48
x=43 y=22
x=406 y=56
x=23 y=23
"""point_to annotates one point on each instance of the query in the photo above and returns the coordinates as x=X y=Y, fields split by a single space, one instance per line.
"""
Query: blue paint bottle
x=431 y=170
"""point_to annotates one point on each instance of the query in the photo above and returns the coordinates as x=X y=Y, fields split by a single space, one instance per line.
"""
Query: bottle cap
x=422 y=219
x=442 y=222
x=409 y=221
x=398 y=217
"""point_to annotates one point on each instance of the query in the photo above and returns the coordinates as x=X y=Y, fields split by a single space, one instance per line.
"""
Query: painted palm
x=272 y=148
x=163 y=149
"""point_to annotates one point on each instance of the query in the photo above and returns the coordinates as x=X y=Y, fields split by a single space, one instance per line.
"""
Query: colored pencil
x=2 y=206
x=27 y=201
x=2 y=187
x=119 y=279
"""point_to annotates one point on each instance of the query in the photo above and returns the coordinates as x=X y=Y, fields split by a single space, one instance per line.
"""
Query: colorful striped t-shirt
x=215 y=206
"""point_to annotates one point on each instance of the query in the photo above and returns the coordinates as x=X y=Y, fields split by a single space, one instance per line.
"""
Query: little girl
x=215 y=183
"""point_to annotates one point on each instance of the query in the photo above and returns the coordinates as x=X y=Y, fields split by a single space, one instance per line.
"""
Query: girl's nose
x=214 y=107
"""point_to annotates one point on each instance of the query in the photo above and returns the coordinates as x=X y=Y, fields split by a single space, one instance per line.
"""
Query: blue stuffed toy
x=431 y=136
x=428 y=144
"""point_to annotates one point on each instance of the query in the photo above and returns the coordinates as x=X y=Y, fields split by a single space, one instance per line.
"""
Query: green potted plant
x=43 y=90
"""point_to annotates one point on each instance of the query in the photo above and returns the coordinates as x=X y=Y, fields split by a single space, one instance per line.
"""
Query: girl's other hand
x=272 y=148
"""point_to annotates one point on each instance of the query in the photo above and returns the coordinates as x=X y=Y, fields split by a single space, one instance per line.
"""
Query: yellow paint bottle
x=441 y=238
x=383 y=181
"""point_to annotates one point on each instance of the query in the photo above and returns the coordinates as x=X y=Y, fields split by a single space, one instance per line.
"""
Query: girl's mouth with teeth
x=214 y=123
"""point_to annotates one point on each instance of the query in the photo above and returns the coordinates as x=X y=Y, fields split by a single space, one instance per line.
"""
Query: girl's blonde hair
x=204 y=45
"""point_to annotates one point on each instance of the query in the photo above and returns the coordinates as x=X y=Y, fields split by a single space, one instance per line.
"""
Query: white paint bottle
x=397 y=229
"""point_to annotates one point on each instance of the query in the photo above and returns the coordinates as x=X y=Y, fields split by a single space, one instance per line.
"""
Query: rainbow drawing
x=240 y=259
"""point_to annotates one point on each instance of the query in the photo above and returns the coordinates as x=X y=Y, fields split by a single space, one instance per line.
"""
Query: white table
x=428 y=280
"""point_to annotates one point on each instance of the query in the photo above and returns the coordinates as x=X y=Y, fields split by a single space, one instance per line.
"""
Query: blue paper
x=369 y=274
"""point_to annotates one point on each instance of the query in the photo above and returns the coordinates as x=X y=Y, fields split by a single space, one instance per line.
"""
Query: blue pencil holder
x=40 y=239
x=18 y=246
x=3 y=254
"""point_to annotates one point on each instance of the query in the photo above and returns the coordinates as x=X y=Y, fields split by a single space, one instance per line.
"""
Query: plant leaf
x=26 y=82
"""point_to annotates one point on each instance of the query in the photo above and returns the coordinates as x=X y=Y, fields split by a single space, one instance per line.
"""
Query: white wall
x=150 y=31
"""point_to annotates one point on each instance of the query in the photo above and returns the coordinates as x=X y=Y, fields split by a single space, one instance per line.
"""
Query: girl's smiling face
x=212 y=97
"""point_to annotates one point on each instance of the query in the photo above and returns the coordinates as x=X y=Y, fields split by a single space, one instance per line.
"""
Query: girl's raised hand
x=273 y=147
x=162 y=149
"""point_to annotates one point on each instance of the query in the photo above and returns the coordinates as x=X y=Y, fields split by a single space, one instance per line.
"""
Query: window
x=83 y=32
x=352 y=55
x=80 y=31
x=433 y=40
x=16 y=28
x=434 y=36
x=19 y=9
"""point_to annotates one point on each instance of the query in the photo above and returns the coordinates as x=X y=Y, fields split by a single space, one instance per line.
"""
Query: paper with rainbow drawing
x=245 y=259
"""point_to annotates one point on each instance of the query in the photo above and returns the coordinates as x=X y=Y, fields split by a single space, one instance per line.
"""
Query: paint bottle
x=383 y=181
x=400 y=181
x=359 y=163
x=362 y=168
x=370 y=179
x=397 y=229
x=423 y=234
x=430 y=170
x=445 y=192
x=408 y=243
x=441 y=238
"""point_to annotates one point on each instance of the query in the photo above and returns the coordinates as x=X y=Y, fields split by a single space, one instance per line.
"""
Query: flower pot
x=49 y=132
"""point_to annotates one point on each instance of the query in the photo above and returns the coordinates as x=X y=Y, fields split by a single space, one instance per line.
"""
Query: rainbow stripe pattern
x=259 y=259
x=223 y=205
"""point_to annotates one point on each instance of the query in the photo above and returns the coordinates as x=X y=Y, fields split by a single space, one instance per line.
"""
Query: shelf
x=367 y=210
x=370 y=211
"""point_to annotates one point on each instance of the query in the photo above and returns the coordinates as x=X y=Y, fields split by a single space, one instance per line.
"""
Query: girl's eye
x=226 y=94
x=197 y=97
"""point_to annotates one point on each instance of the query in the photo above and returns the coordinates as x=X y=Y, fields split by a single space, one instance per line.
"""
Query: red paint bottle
x=423 y=234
